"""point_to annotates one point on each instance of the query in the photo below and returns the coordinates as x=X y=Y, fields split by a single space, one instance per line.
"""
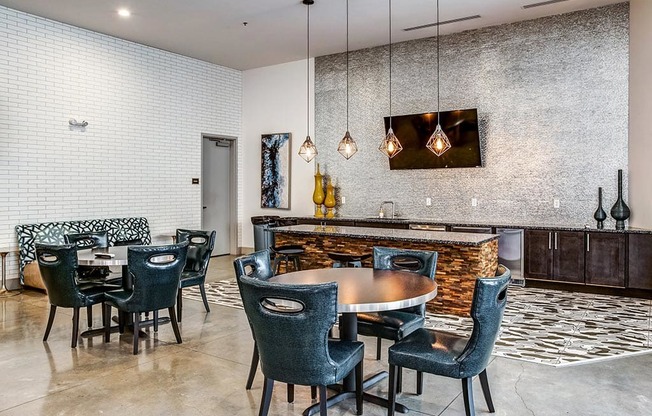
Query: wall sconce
x=74 y=123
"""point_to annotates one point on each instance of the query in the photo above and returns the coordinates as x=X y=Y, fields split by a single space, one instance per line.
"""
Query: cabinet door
x=538 y=254
x=605 y=259
x=568 y=263
x=640 y=261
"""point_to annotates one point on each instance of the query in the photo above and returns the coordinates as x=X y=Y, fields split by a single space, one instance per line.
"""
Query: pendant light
x=438 y=142
x=347 y=146
x=390 y=145
x=308 y=150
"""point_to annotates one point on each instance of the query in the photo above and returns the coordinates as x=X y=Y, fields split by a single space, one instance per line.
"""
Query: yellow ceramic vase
x=318 y=195
x=329 y=202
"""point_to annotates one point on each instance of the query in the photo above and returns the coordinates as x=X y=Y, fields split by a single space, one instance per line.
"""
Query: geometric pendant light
x=347 y=146
x=390 y=145
x=438 y=142
x=308 y=150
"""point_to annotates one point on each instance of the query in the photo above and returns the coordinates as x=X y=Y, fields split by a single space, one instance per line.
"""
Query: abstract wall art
x=275 y=170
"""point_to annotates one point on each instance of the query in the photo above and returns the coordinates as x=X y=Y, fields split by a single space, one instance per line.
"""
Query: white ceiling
x=213 y=30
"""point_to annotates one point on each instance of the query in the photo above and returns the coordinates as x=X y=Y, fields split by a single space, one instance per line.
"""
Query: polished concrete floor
x=206 y=374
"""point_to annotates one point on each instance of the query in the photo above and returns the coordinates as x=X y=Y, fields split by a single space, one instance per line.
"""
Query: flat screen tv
x=414 y=130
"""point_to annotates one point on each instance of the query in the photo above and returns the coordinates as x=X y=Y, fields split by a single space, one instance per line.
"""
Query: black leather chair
x=200 y=248
x=257 y=265
x=133 y=242
x=58 y=267
x=451 y=355
x=155 y=272
x=394 y=325
x=292 y=337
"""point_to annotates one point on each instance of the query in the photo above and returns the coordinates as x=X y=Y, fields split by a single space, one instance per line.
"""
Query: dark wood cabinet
x=538 y=254
x=605 y=259
x=640 y=261
x=554 y=255
x=377 y=224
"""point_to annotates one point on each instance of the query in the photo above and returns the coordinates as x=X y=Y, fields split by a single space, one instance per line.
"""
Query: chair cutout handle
x=282 y=306
x=198 y=240
x=49 y=258
x=161 y=258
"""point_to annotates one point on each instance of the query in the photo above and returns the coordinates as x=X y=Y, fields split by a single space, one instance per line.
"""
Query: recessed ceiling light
x=124 y=12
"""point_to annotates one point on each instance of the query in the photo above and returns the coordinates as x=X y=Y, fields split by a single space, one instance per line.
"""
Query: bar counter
x=462 y=257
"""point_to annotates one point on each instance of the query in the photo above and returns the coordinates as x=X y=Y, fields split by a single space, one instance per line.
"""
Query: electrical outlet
x=428 y=202
x=474 y=202
x=555 y=203
x=343 y=200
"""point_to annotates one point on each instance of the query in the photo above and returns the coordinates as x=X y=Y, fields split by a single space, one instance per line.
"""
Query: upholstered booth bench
x=119 y=229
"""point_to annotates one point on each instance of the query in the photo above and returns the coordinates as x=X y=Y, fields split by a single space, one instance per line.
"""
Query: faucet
x=381 y=213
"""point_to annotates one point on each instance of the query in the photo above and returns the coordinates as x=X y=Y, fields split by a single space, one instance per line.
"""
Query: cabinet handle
x=556 y=235
x=588 y=242
x=549 y=241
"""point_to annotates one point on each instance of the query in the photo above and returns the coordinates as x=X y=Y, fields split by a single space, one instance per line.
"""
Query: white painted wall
x=274 y=101
x=640 y=109
x=146 y=111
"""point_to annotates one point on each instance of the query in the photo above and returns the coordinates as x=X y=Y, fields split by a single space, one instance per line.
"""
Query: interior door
x=216 y=182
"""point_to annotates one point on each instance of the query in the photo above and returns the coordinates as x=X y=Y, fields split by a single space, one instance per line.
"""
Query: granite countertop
x=498 y=224
x=440 y=237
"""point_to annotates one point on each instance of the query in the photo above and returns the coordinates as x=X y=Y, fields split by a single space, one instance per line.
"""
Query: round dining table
x=365 y=290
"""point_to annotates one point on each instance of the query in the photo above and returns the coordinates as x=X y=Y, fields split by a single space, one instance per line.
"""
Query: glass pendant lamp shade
x=438 y=142
x=347 y=146
x=308 y=150
x=390 y=146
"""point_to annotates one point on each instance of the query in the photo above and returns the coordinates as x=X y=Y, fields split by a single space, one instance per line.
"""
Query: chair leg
x=106 y=315
x=467 y=390
x=155 y=313
x=323 y=409
x=313 y=392
x=121 y=321
x=136 y=331
x=379 y=348
x=202 y=290
x=175 y=325
x=253 y=367
x=484 y=382
x=399 y=380
x=89 y=316
x=391 y=396
x=75 y=327
x=179 y=304
x=103 y=313
x=297 y=263
x=290 y=393
x=276 y=265
x=268 y=387
x=53 y=311
x=419 y=383
x=359 y=392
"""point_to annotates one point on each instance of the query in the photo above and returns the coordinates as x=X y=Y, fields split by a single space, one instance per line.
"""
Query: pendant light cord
x=390 y=64
x=438 y=62
x=347 y=65
x=308 y=73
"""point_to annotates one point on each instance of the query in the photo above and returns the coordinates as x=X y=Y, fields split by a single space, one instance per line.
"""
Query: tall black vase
x=620 y=210
x=600 y=215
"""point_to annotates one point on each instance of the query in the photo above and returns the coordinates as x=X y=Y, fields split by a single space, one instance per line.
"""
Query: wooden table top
x=368 y=290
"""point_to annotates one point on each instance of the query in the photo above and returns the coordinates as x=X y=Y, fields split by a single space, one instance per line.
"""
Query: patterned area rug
x=543 y=326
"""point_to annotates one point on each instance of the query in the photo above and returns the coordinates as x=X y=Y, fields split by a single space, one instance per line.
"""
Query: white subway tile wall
x=146 y=111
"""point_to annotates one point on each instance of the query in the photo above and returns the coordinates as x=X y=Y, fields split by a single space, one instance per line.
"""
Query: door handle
x=556 y=237
x=204 y=207
x=549 y=241
x=588 y=242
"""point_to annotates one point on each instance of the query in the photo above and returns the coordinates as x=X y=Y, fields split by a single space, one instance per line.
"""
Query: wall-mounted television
x=414 y=130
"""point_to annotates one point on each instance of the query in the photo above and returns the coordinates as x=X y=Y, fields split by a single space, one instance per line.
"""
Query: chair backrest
x=257 y=265
x=90 y=239
x=417 y=261
x=292 y=340
x=155 y=272
x=200 y=248
x=58 y=266
x=489 y=300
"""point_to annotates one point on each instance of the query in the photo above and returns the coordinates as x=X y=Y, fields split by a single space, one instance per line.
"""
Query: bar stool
x=347 y=259
x=287 y=254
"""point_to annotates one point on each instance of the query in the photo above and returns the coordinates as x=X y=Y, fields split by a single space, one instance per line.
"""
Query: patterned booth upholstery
x=119 y=229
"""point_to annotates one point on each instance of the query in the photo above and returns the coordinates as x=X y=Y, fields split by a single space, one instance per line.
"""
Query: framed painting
x=275 y=170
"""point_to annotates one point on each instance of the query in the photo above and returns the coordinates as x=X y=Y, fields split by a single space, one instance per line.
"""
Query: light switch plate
x=555 y=203
x=474 y=202
x=428 y=202
x=343 y=200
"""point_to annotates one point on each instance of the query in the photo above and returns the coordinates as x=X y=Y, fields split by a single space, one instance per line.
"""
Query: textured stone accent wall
x=457 y=265
x=552 y=99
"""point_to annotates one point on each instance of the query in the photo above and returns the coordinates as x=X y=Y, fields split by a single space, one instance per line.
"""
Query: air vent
x=543 y=3
x=445 y=22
